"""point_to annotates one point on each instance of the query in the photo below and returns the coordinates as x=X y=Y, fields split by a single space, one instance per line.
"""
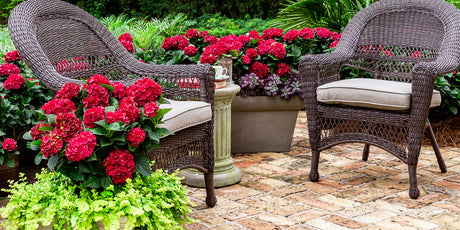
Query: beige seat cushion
x=185 y=114
x=371 y=93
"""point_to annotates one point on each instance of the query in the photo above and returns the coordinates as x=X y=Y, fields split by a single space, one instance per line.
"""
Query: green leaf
x=106 y=142
x=38 y=159
x=52 y=161
x=106 y=181
x=296 y=51
x=2 y=159
x=99 y=131
x=93 y=182
x=36 y=145
x=2 y=133
x=10 y=162
x=82 y=168
x=77 y=176
x=46 y=128
x=115 y=126
x=142 y=165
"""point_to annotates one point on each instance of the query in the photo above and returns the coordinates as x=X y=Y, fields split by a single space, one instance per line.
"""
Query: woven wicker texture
x=62 y=43
x=400 y=40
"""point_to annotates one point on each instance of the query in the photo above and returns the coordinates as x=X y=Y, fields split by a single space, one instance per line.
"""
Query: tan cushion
x=371 y=93
x=185 y=114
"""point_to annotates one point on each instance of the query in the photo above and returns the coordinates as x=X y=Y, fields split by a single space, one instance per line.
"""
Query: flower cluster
x=127 y=41
x=9 y=145
x=12 y=56
x=7 y=69
x=84 y=123
x=7 y=149
x=14 y=81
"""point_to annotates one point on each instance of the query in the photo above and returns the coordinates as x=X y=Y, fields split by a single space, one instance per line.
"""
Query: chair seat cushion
x=185 y=114
x=371 y=93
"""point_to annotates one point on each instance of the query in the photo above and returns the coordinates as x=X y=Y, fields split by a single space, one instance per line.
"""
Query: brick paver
x=275 y=192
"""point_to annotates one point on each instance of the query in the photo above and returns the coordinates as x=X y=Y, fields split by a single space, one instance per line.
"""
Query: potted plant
x=95 y=137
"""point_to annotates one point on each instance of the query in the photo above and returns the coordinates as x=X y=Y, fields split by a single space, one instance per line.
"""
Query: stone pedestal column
x=225 y=172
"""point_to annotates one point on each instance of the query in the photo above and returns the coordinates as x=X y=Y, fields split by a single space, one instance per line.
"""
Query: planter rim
x=266 y=103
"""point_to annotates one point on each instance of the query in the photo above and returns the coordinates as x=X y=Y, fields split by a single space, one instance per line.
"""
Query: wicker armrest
x=315 y=68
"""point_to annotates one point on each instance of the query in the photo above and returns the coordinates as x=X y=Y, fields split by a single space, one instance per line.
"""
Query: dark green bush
x=220 y=26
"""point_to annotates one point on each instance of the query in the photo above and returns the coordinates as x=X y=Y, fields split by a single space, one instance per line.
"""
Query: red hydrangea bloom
x=333 y=44
x=211 y=40
x=56 y=106
x=272 y=32
x=307 y=33
x=144 y=91
x=204 y=34
x=169 y=43
x=416 y=54
x=182 y=42
x=51 y=144
x=68 y=124
x=254 y=34
x=246 y=60
x=119 y=165
x=191 y=33
x=278 y=50
x=190 y=51
x=81 y=146
x=119 y=90
x=245 y=39
x=9 y=145
x=128 y=46
x=8 y=69
x=98 y=79
x=283 y=69
x=150 y=109
x=12 y=56
x=251 y=53
x=136 y=136
x=97 y=96
x=337 y=36
x=260 y=69
x=36 y=133
x=323 y=33
x=92 y=115
x=177 y=42
x=291 y=35
x=264 y=46
x=114 y=116
x=207 y=58
x=129 y=107
x=68 y=91
x=14 y=81
x=125 y=37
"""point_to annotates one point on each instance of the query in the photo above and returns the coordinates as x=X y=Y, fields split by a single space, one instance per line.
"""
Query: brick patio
x=275 y=192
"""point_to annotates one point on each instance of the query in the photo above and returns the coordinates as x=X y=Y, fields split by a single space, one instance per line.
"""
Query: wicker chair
x=49 y=32
x=405 y=45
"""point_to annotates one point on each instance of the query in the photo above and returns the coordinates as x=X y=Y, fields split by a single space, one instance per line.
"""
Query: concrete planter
x=263 y=123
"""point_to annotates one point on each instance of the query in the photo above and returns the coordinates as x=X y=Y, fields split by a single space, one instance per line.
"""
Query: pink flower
x=126 y=37
x=81 y=146
x=283 y=69
x=254 y=34
x=129 y=107
x=191 y=33
x=333 y=44
x=207 y=58
x=36 y=133
x=114 y=116
x=128 y=46
x=57 y=106
x=246 y=60
x=68 y=124
x=204 y=34
x=14 y=81
x=99 y=80
x=144 y=91
x=9 y=145
x=272 y=32
x=97 y=96
x=324 y=33
x=190 y=51
x=12 y=56
x=93 y=115
x=68 y=91
x=278 y=50
x=119 y=90
x=136 y=136
x=150 y=109
x=337 y=37
x=51 y=144
x=8 y=69
x=245 y=39
x=119 y=165
x=260 y=69
x=291 y=35
x=211 y=40
x=251 y=53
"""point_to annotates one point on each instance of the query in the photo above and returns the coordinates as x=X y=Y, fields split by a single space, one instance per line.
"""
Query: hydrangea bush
x=98 y=133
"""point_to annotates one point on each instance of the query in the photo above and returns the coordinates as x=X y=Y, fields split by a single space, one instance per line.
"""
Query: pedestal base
x=195 y=178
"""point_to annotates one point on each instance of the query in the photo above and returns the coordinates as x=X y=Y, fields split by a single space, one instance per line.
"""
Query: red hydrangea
x=291 y=35
x=246 y=60
x=36 y=133
x=151 y=109
x=9 y=145
x=207 y=58
x=245 y=39
x=136 y=136
x=260 y=69
x=190 y=51
x=119 y=165
x=169 y=43
x=126 y=37
x=92 y=115
x=144 y=91
x=129 y=107
x=14 y=81
x=323 y=33
x=98 y=79
x=81 y=146
x=68 y=124
x=272 y=32
x=211 y=40
x=251 y=53
x=337 y=36
x=191 y=33
x=119 y=90
x=204 y=34
x=333 y=44
x=97 y=96
x=12 y=56
x=254 y=34
x=264 y=46
x=114 y=116
x=278 y=50
x=56 y=106
x=68 y=91
x=128 y=46
x=176 y=42
x=8 y=69
x=51 y=144
x=307 y=33
x=283 y=69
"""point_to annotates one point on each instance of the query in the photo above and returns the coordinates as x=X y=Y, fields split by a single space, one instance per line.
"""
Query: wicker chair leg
x=314 y=175
x=434 y=143
x=414 y=193
x=211 y=199
x=366 y=152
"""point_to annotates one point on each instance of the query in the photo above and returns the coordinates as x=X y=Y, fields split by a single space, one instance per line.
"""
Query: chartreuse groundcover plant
x=95 y=137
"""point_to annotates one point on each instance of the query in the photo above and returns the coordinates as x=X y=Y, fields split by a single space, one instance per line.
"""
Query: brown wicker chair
x=46 y=32
x=403 y=42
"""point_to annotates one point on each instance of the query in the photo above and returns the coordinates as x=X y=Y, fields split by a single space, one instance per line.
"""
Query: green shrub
x=449 y=86
x=220 y=26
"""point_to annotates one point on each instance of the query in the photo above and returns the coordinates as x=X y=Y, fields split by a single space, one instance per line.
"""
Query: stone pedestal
x=225 y=172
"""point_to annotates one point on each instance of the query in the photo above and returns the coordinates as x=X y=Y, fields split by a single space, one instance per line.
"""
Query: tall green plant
x=6 y=44
x=332 y=14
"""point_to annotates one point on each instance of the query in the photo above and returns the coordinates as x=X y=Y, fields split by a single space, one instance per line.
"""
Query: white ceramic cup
x=220 y=70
